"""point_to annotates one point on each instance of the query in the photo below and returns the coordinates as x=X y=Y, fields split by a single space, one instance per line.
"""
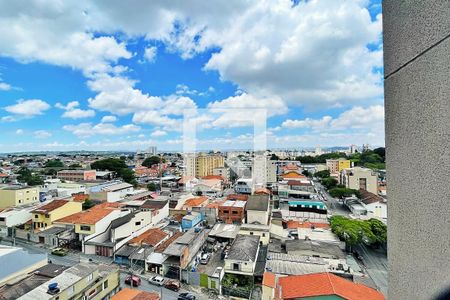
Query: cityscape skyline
x=104 y=82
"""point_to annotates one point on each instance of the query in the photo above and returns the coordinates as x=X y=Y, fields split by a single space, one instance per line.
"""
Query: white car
x=157 y=280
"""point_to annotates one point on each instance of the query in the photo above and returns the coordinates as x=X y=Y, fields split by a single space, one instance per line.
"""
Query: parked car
x=205 y=258
x=59 y=252
x=173 y=285
x=157 y=280
x=133 y=280
x=186 y=296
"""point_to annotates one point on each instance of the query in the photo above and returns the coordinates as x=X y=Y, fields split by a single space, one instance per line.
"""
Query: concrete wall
x=417 y=104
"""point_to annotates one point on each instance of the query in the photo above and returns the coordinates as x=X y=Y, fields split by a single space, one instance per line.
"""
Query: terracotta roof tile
x=291 y=224
x=213 y=177
x=45 y=209
x=132 y=294
x=269 y=279
x=293 y=175
x=237 y=197
x=151 y=237
x=323 y=284
x=195 y=201
x=89 y=217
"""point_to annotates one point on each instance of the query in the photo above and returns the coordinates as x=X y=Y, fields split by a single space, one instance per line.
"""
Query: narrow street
x=376 y=265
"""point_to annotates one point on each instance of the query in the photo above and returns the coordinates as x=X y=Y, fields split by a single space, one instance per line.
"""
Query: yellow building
x=17 y=195
x=337 y=165
x=82 y=281
x=202 y=165
x=44 y=216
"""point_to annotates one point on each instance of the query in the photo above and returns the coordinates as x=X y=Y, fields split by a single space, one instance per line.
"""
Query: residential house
x=155 y=261
x=112 y=191
x=315 y=286
x=191 y=220
x=209 y=187
x=201 y=201
x=263 y=231
x=181 y=252
x=301 y=185
x=317 y=248
x=15 y=216
x=375 y=205
x=257 y=209
x=29 y=281
x=134 y=294
x=44 y=216
x=82 y=281
x=242 y=257
x=188 y=182
x=293 y=175
x=11 y=196
x=232 y=212
x=244 y=186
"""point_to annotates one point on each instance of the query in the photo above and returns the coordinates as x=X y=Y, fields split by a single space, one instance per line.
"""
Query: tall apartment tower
x=264 y=170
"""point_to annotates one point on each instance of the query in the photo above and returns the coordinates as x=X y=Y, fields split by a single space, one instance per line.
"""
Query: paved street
x=376 y=265
x=334 y=206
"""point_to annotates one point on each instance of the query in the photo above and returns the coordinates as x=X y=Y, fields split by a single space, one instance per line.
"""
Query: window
x=105 y=284
x=236 y=267
x=234 y=212
x=251 y=232
x=35 y=216
x=85 y=227
x=90 y=277
x=137 y=223
x=263 y=235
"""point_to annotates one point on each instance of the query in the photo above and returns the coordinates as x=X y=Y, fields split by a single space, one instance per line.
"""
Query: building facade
x=202 y=165
x=77 y=175
x=358 y=178
x=335 y=166
x=18 y=195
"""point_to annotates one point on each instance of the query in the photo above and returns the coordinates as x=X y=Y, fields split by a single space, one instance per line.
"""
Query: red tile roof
x=213 y=177
x=368 y=197
x=151 y=237
x=131 y=294
x=269 y=279
x=323 y=284
x=195 y=201
x=293 y=175
x=259 y=191
x=296 y=224
x=88 y=217
x=45 y=209
x=296 y=182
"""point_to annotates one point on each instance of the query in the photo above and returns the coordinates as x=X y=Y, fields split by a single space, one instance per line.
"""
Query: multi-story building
x=232 y=211
x=82 y=281
x=18 y=195
x=202 y=165
x=222 y=171
x=45 y=215
x=335 y=166
x=77 y=175
x=360 y=179
x=264 y=170
x=244 y=186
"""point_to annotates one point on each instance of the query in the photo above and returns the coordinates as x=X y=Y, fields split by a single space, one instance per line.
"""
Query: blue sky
x=108 y=76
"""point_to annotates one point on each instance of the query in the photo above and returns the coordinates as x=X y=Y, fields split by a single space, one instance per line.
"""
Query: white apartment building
x=264 y=171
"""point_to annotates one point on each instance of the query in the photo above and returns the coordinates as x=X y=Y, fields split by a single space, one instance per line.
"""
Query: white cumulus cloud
x=28 y=108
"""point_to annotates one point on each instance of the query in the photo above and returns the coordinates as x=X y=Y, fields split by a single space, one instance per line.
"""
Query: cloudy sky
x=124 y=75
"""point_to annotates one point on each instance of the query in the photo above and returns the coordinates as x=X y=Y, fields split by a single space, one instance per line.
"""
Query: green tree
x=54 y=163
x=274 y=157
x=152 y=160
x=127 y=175
x=26 y=176
x=351 y=231
x=152 y=187
x=379 y=229
x=118 y=166
x=341 y=192
x=329 y=182
x=306 y=173
x=88 y=204
x=322 y=174
x=74 y=166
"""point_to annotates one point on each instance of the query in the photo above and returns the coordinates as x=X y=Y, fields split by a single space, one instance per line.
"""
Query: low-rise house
x=257 y=209
x=263 y=231
x=315 y=286
x=224 y=232
x=188 y=183
x=112 y=191
x=201 y=201
x=232 y=212
x=293 y=175
x=82 y=281
x=191 y=220
x=300 y=185
x=11 y=196
x=243 y=254
x=15 y=216
x=243 y=186
x=29 y=281
x=134 y=294
x=209 y=187
x=182 y=251
x=77 y=175
x=155 y=261
x=44 y=216
x=375 y=205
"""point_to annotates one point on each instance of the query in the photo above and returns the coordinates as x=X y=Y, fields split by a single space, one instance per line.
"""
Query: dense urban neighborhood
x=206 y=225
